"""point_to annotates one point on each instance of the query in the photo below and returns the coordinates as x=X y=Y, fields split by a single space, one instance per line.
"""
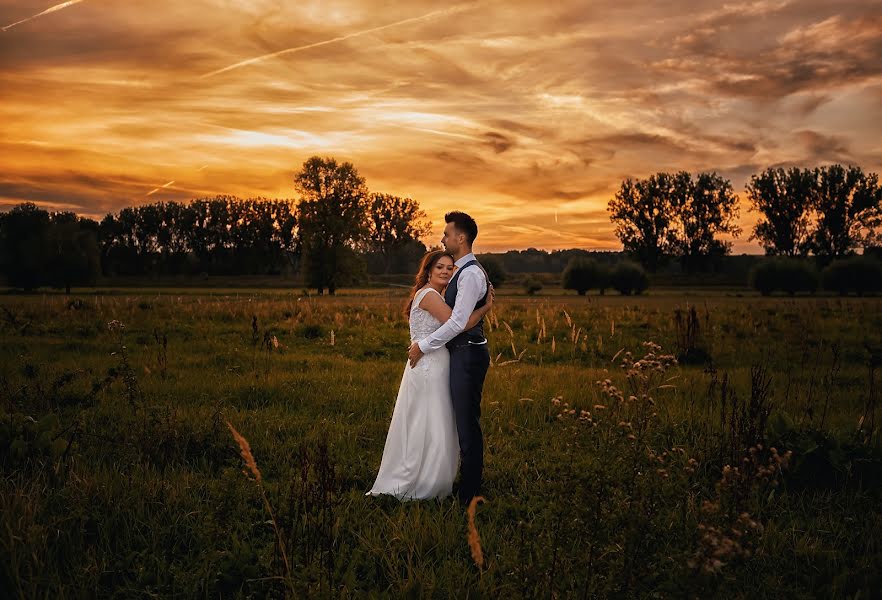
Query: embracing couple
x=436 y=420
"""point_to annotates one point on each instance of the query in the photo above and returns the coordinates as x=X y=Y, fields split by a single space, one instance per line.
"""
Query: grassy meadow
x=676 y=445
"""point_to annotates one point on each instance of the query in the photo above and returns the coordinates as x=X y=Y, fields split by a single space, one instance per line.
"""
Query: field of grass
x=737 y=455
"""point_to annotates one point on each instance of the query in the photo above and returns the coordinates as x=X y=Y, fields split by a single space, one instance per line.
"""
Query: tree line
x=338 y=230
x=335 y=231
x=827 y=212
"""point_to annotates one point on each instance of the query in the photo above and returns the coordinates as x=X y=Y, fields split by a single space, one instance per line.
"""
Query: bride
x=421 y=454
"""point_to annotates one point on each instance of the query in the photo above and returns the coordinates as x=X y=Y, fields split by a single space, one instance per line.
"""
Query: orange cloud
x=528 y=114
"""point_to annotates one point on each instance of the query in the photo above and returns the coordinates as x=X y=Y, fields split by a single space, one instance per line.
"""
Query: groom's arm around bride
x=469 y=357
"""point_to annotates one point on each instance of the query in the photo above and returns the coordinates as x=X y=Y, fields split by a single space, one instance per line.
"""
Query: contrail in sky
x=435 y=13
x=440 y=132
x=51 y=9
x=151 y=192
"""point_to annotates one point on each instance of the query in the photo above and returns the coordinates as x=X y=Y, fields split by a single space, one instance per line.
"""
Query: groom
x=469 y=356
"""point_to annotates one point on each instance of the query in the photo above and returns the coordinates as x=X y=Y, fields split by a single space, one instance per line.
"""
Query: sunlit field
x=680 y=444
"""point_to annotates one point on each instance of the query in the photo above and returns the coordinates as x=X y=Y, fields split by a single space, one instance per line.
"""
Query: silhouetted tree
x=330 y=216
x=704 y=208
x=785 y=200
x=72 y=255
x=23 y=232
x=644 y=218
x=394 y=224
x=848 y=210
x=223 y=234
x=41 y=248
x=121 y=248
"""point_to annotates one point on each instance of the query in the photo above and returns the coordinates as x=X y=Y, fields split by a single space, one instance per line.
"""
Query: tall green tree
x=785 y=200
x=331 y=219
x=394 y=224
x=849 y=211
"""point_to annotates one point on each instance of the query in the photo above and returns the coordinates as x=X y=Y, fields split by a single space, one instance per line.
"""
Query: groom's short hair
x=463 y=223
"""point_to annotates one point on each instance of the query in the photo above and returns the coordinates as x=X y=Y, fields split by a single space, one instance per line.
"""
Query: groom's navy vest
x=476 y=333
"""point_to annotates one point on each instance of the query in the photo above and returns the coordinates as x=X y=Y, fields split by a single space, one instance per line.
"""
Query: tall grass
x=614 y=467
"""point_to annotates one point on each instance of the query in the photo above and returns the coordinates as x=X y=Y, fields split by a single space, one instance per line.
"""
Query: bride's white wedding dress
x=421 y=455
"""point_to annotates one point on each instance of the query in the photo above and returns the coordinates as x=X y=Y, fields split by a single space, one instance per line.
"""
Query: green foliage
x=859 y=274
x=24 y=440
x=532 y=285
x=824 y=460
x=583 y=274
x=790 y=275
x=629 y=278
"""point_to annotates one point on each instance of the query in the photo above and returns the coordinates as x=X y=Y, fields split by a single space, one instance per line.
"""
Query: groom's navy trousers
x=469 y=361
x=468 y=368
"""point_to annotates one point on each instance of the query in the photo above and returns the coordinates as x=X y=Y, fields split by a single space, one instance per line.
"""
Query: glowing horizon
x=527 y=115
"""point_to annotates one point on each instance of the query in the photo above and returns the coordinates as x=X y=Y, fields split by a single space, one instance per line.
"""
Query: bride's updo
x=422 y=276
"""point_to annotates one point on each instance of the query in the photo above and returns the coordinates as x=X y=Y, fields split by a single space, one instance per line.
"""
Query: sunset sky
x=527 y=114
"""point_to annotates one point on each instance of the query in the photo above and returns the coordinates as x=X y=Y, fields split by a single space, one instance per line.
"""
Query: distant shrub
x=310 y=331
x=583 y=274
x=532 y=285
x=873 y=252
x=789 y=275
x=798 y=276
x=77 y=304
x=762 y=277
x=494 y=269
x=629 y=278
x=859 y=274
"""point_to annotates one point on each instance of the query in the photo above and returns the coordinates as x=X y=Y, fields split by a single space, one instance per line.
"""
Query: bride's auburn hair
x=422 y=277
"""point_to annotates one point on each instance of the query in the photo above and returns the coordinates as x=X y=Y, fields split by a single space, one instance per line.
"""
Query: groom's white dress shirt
x=470 y=288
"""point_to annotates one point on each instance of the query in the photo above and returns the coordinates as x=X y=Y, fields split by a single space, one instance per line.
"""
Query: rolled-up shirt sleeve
x=471 y=287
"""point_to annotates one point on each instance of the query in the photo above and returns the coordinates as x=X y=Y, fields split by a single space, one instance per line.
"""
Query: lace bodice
x=422 y=323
